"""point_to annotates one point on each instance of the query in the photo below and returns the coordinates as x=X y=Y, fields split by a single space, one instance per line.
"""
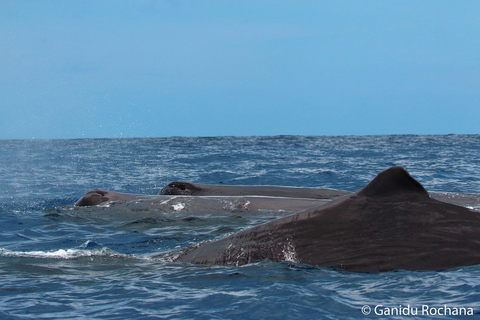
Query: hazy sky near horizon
x=95 y=69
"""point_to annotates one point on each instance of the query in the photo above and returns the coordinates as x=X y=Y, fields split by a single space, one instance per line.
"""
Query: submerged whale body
x=390 y=224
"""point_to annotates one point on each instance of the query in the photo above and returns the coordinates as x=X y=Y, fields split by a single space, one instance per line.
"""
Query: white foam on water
x=178 y=207
x=290 y=252
x=107 y=204
x=61 y=253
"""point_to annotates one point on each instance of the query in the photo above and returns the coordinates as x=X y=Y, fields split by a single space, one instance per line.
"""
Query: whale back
x=393 y=181
x=196 y=189
x=390 y=224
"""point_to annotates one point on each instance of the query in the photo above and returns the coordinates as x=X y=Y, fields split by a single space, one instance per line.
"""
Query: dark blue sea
x=63 y=262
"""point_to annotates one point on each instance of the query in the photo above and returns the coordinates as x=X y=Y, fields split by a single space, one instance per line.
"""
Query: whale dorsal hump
x=393 y=181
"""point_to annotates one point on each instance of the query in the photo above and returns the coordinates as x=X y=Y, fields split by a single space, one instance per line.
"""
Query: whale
x=261 y=197
x=283 y=196
x=197 y=189
x=199 y=203
x=96 y=197
x=390 y=224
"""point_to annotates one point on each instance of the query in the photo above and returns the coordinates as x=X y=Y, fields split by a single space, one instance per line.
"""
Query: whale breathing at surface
x=390 y=224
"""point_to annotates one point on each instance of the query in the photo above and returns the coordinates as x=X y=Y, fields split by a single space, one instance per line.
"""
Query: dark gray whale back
x=196 y=189
x=392 y=182
x=390 y=224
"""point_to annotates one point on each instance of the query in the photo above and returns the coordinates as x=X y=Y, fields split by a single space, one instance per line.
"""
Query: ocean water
x=58 y=261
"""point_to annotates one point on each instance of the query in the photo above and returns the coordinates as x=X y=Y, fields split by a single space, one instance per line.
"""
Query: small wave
x=62 y=253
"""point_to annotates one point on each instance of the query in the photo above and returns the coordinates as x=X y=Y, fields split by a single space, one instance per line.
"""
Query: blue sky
x=91 y=69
